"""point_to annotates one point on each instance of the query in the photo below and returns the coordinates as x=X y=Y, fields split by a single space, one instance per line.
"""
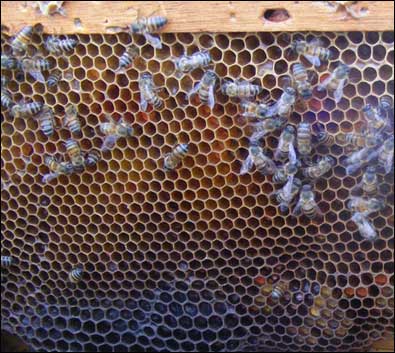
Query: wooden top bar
x=205 y=16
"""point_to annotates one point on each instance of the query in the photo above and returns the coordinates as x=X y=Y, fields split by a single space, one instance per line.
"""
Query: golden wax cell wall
x=186 y=260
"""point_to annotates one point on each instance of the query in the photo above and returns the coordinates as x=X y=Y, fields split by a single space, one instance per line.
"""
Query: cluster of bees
x=291 y=162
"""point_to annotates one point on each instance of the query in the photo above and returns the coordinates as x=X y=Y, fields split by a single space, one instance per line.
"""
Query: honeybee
x=26 y=110
x=359 y=158
x=312 y=51
x=287 y=193
x=369 y=182
x=279 y=290
x=361 y=140
x=348 y=6
x=148 y=93
x=336 y=81
x=254 y=109
x=365 y=206
x=47 y=121
x=301 y=81
x=303 y=139
x=386 y=103
x=21 y=40
x=127 y=58
x=187 y=63
x=386 y=154
x=241 y=89
x=365 y=228
x=324 y=137
x=323 y=166
x=262 y=163
x=172 y=159
x=284 y=105
x=6 y=99
x=285 y=143
x=9 y=62
x=76 y=275
x=289 y=169
x=92 y=158
x=265 y=127
x=71 y=120
x=306 y=203
x=145 y=25
x=35 y=67
x=283 y=173
x=376 y=118
x=58 y=46
x=6 y=261
x=57 y=168
x=205 y=88
x=49 y=8
x=54 y=78
x=76 y=157
x=113 y=131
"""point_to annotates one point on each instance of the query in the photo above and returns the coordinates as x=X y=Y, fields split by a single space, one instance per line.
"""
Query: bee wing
x=37 y=75
x=154 y=41
x=388 y=163
x=325 y=83
x=339 y=91
x=292 y=153
x=314 y=60
x=194 y=90
x=143 y=103
x=211 y=100
x=298 y=209
x=257 y=135
x=246 y=165
x=272 y=110
x=288 y=187
x=109 y=142
x=352 y=168
x=48 y=177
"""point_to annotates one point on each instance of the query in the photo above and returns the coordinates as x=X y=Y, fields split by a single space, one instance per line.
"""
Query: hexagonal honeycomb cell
x=187 y=260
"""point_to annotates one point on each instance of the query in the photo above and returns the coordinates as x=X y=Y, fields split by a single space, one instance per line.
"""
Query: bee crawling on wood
x=350 y=7
x=205 y=88
x=49 y=8
x=147 y=25
x=113 y=131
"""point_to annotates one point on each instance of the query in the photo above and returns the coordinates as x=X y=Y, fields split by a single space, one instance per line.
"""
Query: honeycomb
x=186 y=260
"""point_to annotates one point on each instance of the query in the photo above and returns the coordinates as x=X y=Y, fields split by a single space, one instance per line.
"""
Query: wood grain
x=190 y=16
x=386 y=344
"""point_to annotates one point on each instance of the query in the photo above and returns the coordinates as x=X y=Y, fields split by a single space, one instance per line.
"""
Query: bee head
x=135 y=27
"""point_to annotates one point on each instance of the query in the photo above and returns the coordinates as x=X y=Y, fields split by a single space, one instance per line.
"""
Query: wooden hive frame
x=213 y=16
